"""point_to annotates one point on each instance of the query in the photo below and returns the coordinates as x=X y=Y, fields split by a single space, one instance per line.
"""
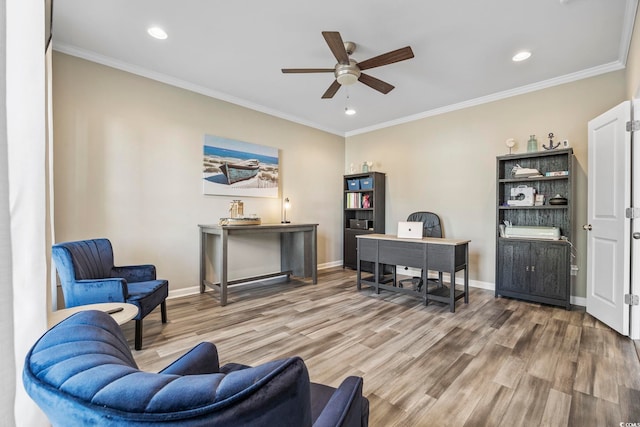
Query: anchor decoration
x=551 y=146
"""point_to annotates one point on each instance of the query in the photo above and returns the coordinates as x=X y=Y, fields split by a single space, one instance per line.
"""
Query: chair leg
x=163 y=311
x=138 y=343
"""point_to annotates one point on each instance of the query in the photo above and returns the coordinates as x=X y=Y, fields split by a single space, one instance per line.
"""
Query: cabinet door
x=513 y=270
x=549 y=277
x=350 y=256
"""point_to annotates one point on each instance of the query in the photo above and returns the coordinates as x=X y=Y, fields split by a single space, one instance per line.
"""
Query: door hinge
x=632 y=213
x=630 y=299
x=633 y=126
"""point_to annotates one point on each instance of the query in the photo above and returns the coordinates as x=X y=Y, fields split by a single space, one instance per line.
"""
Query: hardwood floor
x=494 y=362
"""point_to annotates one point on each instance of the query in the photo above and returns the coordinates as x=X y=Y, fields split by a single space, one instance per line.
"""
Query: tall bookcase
x=534 y=269
x=361 y=217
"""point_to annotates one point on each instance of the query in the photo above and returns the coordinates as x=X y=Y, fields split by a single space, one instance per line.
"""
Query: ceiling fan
x=348 y=71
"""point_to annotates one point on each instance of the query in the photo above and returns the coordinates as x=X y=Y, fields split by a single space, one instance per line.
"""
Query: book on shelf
x=354 y=200
x=358 y=201
x=557 y=173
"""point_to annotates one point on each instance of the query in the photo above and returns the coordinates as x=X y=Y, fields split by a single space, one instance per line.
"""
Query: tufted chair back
x=92 y=259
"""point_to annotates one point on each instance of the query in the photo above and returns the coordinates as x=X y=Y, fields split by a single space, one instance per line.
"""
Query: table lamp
x=286 y=205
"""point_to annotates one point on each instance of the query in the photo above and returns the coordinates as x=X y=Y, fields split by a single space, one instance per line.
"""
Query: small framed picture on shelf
x=539 y=201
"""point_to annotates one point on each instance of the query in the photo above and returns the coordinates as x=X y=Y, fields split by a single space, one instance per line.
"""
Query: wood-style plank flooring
x=494 y=362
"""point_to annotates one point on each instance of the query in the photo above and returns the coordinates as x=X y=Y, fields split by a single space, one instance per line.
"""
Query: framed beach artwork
x=237 y=168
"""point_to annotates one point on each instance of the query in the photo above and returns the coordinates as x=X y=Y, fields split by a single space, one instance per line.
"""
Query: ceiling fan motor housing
x=347 y=74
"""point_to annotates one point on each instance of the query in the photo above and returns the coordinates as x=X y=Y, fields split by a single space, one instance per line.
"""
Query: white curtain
x=24 y=186
x=7 y=367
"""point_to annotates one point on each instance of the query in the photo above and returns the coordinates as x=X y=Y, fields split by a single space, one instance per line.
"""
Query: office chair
x=431 y=228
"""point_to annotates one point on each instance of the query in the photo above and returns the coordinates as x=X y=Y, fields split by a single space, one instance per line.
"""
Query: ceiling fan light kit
x=347 y=74
x=347 y=71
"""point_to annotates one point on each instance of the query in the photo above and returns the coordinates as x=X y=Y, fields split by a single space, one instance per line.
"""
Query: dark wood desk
x=428 y=253
x=298 y=252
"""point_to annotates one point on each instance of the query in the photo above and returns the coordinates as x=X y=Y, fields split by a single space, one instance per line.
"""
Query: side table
x=120 y=311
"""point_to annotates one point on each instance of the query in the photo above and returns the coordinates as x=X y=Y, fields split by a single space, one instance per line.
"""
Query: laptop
x=410 y=230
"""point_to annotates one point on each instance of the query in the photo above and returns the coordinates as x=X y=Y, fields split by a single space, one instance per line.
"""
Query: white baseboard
x=581 y=301
x=330 y=265
x=192 y=290
x=183 y=292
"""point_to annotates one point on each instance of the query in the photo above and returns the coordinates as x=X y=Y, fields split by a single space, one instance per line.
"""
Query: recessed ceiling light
x=157 y=33
x=349 y=111
x=521 y=56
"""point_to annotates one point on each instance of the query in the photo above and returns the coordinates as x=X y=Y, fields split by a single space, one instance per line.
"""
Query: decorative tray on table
x=239 y=221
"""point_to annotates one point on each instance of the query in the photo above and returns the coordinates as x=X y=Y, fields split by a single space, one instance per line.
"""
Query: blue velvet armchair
x=88 y=276
x=81 y=372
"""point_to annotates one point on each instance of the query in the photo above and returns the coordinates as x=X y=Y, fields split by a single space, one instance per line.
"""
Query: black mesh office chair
x=431 y=228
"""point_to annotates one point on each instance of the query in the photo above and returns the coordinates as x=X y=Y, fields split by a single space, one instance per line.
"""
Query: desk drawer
x=367 y=249
x=446 y=257
x=402 y=253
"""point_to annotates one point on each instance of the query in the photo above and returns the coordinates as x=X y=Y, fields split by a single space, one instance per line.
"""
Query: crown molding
x=567 y=78
x=172 y=81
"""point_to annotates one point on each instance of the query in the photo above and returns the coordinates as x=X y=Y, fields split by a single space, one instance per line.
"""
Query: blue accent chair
x=82 y=373
x=88 y=276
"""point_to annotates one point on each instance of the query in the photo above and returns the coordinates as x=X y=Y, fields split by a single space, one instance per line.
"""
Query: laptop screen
x=410 y=230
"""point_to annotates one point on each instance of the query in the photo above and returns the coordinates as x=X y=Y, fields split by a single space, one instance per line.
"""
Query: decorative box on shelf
x=366 y=184
x=354 y=184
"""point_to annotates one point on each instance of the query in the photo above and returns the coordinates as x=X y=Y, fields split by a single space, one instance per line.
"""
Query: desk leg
x=358 y=270
x=299 y=253
x=203 y=259
x=452 y=292
x=314 y=255
x=223 y=267
x=425 y=284
x=466 y=274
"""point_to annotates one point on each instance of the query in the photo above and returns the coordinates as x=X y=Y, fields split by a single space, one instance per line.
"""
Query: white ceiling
x=234 y=50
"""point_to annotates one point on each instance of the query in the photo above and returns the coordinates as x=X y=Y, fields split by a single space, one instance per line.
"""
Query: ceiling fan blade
x=332 y=90
x=334 y=40
x=376 y=84
x=308 y=70
x=387 y=58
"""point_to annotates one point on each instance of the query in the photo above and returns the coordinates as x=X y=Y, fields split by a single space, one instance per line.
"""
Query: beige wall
x=128 y=165
x=446 y=163
x=128 y=154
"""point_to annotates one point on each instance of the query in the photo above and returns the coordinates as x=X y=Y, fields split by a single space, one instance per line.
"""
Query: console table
x=298 y=252
x=428 y=253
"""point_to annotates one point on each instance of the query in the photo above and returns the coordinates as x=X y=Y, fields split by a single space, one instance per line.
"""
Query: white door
x=609 y=190
x=635 y=226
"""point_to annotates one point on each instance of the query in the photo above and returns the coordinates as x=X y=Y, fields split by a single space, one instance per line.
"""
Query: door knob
x=636 y=235
x=587 y=227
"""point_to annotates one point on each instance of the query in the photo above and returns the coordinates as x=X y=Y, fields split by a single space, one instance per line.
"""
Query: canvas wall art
x=237 y=168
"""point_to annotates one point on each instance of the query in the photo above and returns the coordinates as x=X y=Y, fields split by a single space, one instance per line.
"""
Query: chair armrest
x=94 y=291
x=346 y=407
x=202 y=359
x=135 y=273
